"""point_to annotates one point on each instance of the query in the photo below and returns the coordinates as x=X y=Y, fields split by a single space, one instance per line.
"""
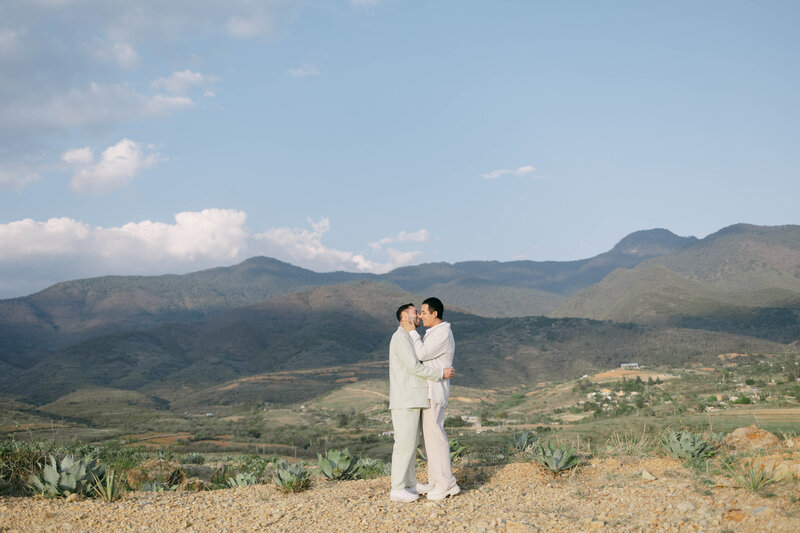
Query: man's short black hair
x=435 y=304
x=401 y=309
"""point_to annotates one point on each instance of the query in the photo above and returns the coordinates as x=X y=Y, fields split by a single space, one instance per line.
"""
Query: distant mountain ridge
x=200 y=337
x=346 y=324
x=71 y=311
x=720 y=282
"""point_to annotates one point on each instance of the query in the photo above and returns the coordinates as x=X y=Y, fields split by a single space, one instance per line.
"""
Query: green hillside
x=350 y=324
x=743 y=279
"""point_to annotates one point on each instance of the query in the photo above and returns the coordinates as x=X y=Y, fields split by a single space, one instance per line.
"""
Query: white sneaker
x=438 y=494
x=402 y=496
x=423 y=488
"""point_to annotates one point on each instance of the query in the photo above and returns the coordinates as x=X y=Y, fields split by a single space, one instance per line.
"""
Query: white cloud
x=97 y=105
x=521 y=171
x=305 y=248
x=245 y=27
x=117 y=166
x=304 y=70
x=524 y=171
x=79 y=156
x=181 y=82
x=416 y=236
x=210 y=235
x=494 y=174
x=71 y=67
x=16 y=176
x=122 y=54
x=37 y=254
x=365 y=2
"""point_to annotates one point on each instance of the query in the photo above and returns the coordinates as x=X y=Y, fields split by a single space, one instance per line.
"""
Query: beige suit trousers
x=404 y=453
x=437 y=447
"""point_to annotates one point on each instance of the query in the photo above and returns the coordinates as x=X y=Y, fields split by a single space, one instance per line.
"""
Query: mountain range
x=655 y=297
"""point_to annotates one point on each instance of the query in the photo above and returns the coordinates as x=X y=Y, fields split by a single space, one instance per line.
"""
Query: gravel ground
x=606 y=495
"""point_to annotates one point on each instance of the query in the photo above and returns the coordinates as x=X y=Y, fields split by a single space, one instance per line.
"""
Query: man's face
x=411 y=314
x=426 y=316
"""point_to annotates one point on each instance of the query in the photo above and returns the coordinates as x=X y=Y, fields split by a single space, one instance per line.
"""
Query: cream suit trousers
x=437 y=447
x=404 y=454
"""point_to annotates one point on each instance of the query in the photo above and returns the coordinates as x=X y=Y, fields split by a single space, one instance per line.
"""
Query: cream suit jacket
x=408 y=378
x=436 y=350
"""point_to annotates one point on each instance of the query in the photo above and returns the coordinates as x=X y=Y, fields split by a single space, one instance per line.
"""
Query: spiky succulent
x=522 y=440
x=242 y=479
x=70 y=475
x=688 y=445
x=291 y=477
x=556 y=458
x=338 y=464
x=457 y=450
x=374 y=467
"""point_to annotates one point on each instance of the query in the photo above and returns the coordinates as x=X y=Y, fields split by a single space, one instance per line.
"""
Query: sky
x=157 y=137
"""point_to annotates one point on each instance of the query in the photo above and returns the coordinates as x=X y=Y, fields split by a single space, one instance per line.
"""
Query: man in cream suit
x=408 y=396
x=436 y=350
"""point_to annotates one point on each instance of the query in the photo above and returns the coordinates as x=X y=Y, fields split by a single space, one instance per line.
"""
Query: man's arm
x=435 y=344
x=408 y=360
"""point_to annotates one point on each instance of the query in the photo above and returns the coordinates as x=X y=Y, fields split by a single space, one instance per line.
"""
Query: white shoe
x=403 y=496
x=438 y=494
x=423 y=488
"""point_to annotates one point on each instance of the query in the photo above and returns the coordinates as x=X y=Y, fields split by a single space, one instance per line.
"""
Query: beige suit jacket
x=408 y=378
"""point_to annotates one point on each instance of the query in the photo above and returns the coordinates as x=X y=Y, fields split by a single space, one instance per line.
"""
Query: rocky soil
x=612 y=494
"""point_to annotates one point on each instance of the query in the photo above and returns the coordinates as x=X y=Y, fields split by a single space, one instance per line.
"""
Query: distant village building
x=629 y=366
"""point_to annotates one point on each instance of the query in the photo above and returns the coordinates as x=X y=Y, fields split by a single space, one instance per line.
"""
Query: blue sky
x=153 y=137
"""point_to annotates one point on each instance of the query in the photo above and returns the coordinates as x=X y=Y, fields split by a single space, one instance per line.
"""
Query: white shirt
x=436 y=350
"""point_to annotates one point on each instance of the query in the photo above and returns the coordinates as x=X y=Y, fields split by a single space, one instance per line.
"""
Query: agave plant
x=70 y=475
x=109 y=488
x=687 y=445
x=193 y=458
x=457 y=449
x=338 y=464
x=555 y=458
x=156 y=486
x=291 y=477
x=522 y=440
x=242 y=479
x=373 y=467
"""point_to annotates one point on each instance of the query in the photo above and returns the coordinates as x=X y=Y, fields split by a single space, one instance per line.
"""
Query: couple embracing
x=419 y=386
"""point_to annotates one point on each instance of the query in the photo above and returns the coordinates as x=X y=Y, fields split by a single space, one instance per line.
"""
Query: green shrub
x=555 y=458
x=687 y=445
x=19 y=461
x=455 y=422
x=291 y=477
x=70 y=475
x=338 y=464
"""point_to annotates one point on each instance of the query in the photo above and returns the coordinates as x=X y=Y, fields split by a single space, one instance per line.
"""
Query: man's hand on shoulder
x=407 y=325
x=448 y=373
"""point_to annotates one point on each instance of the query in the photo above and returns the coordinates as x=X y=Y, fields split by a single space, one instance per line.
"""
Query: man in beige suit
x=408 y=396
x=436 y=350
